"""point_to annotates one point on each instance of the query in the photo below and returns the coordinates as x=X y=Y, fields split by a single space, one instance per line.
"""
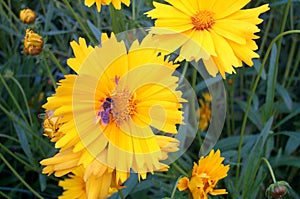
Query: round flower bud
x=33 y=43
x=27 y=16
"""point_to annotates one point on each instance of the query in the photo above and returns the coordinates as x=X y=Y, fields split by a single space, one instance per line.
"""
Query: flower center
x=123 y=106
x=203 y=20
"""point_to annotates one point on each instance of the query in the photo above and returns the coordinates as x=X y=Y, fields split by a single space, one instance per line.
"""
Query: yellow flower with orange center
x=109 y=109
x=205 y=176
x=219 y=29
x=33 y=43
x=115 y=3
x=27 y=16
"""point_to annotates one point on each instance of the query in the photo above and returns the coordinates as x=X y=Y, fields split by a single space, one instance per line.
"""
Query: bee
x=104 y=112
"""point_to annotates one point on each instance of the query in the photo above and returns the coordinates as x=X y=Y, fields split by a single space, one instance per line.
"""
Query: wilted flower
x=33 y=43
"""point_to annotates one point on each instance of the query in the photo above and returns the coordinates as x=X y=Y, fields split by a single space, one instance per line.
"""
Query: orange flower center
x=203 y=20
x=123 y=106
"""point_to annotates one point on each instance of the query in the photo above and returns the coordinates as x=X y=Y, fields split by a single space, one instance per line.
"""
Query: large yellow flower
x=205 y=176
x=109 y=109
x=219 y=27
x=116 y=3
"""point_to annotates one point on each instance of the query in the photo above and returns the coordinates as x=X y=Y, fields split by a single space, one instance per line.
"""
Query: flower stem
x=270 y=169
x=57 y=62
x=133 y=9
x=20 y=178
x=12 y=96
x=179 y=169
x=24 y=98
x=49 y=72
x=175 y=187
x=252 y=94
x=80 y=22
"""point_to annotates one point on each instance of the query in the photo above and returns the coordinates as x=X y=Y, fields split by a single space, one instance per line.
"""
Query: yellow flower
x=33 y=43
x=116 y=3
x=220 y=28
x=205 y=176
x=94 y=187
x=108 y=110
x=27 y=16
x=51 y=126
x=204 y=111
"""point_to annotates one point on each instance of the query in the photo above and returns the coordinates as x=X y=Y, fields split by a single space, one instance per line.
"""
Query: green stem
x=53 y=81
x=25 y=127
x=9 y=10
x=296 y=64
x=289 y=62
x=13 y=98
x=20 y=178
x=4 y=195
x=19 y=159
x=270 y=98
x=270 y=169
x=9 y=137
x=175 y=187
x=25 y=99
x=267 y=30
x=85 y=30
x=133 y=9
x=252 y=94
x=57 y=63
x=232 y=103
x=179 y=169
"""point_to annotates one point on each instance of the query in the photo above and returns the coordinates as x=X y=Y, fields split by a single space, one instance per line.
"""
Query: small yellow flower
x=27 y=16
x=51 y=127
x=116 y=3
x=205 y=176
x=33 y=43
x=204 y=111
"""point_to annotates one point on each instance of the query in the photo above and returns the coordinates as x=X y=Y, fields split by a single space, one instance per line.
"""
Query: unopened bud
x=27 y=16
x=33 y=43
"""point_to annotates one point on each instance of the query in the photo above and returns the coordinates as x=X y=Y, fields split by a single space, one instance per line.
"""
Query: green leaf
x=285 y=161
x=24 y=141
x=49 y=15
x=95 y=31
x=284 y=94
x=271 y=83
x=257 y=65
x=43 y=182
x=248 y=175
x=253 y=115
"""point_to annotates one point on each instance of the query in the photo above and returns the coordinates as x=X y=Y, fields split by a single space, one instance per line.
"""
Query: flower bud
x=278 y=190
x=33 y=43
x=27 y=16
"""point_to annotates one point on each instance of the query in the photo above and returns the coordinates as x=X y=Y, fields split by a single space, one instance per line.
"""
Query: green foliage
x=263 y=110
